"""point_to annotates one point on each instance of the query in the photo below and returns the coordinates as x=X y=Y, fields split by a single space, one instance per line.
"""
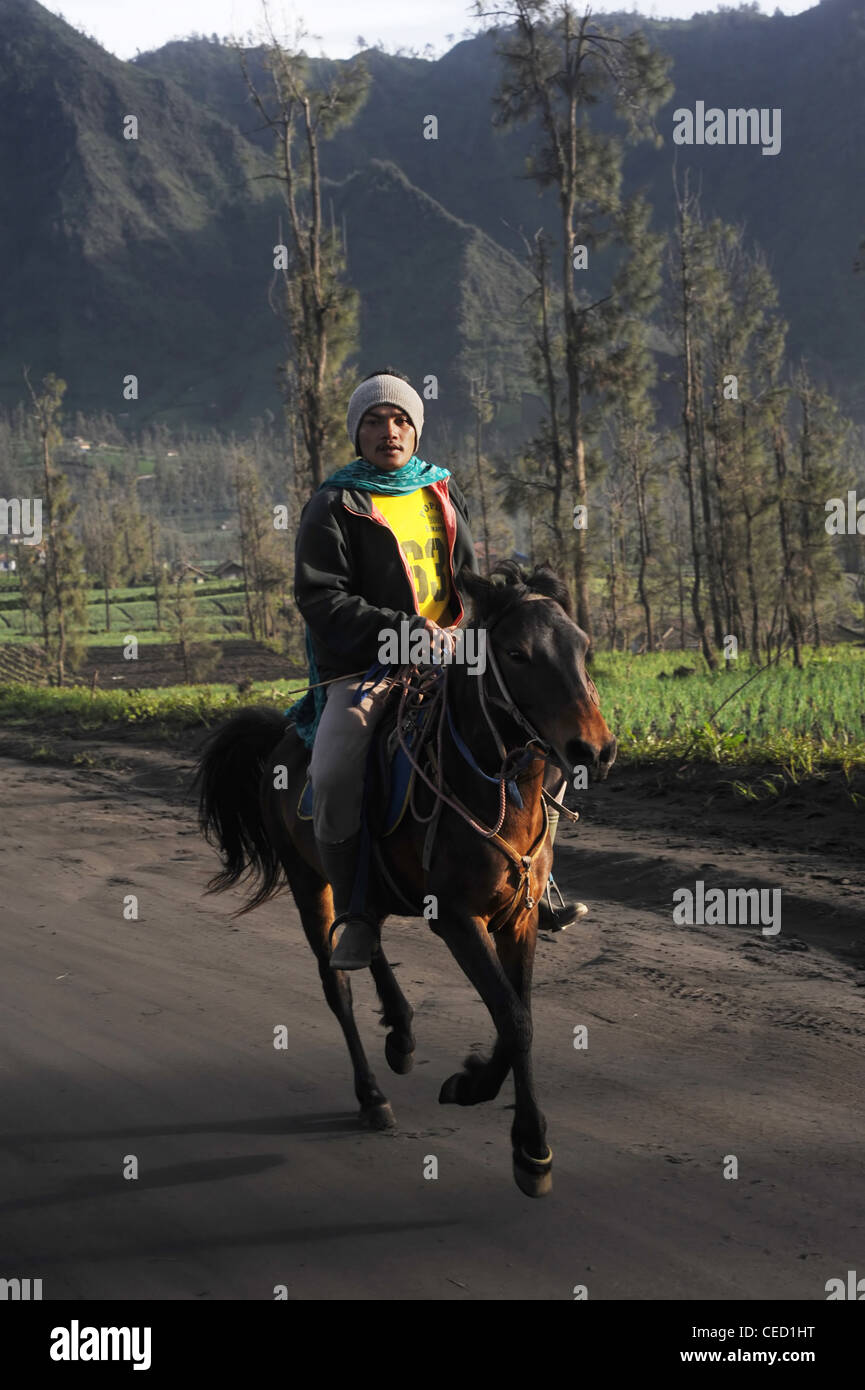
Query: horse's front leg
x=469 y=942
x=515 y=947
x=533 y=1160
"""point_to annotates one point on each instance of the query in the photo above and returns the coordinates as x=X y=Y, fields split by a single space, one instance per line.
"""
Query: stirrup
x=551 y=883
x=344 y=917
x=359 y=954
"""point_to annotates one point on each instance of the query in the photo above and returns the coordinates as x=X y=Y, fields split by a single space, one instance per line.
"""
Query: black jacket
x=352 y=579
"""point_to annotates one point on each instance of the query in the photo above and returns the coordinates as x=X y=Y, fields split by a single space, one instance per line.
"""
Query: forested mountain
x=804 y=206
x=123 y=255
x=153 y=255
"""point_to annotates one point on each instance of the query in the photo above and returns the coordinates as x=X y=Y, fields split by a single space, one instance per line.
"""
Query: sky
x=126 y=26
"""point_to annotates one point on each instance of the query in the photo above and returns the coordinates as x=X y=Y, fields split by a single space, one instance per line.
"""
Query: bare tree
x=319 y=310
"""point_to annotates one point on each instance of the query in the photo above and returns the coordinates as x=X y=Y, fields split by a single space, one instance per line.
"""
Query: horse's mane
x=509 y=584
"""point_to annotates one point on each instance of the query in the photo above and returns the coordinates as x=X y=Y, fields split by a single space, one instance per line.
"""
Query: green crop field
x=810 y=717
x=173 y=708
x=800 y=721
x=220 y=604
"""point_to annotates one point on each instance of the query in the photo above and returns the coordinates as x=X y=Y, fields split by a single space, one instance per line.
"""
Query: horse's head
x=540 y=653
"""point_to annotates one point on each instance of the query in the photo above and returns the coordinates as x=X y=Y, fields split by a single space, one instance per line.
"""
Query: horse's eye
x=519 y=656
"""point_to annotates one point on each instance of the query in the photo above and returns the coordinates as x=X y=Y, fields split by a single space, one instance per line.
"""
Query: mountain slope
x=805 y=206
x=438 y=296
x=129 y=256
x=154 y=256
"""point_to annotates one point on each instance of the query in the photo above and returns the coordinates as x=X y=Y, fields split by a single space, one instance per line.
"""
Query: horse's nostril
x=607 y=758
x=582 y=754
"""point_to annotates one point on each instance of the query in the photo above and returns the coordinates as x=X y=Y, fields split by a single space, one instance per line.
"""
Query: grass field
x=807 y=718
x=220 y=604
x=800 y=721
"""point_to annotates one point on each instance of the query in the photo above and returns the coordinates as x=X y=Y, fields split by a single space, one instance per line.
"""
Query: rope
x=443 y=796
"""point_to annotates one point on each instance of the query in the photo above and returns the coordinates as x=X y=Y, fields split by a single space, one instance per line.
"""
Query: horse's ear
x=546 y=581
x=478 y=588
x=475 y=585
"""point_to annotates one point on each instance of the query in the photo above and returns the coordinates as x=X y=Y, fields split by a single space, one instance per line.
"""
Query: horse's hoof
x=452 y=1092
x=398 y=1061
x=377 y=1117
x=533 y=1176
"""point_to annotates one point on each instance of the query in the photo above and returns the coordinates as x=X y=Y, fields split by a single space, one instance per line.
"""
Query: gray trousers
x=338 y=759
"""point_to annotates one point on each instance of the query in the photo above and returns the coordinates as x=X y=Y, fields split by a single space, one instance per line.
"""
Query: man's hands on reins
x=443 y=642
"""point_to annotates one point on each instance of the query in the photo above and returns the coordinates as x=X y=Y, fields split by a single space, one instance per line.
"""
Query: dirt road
x=149 y=1043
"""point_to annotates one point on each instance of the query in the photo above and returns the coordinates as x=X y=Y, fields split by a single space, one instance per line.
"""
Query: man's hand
x=443 y=642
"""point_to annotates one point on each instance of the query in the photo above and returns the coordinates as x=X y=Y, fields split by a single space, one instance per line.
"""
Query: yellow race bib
x=416 y=520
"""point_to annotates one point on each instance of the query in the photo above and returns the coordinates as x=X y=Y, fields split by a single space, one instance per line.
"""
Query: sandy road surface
x=154 y=1039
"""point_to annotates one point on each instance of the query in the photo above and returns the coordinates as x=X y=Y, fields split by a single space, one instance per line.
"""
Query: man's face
x=386 y=437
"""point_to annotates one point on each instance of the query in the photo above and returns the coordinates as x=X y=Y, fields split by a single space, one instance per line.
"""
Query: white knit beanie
x=384 y=390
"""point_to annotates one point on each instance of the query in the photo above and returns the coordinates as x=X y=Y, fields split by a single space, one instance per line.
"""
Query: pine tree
x=625 y=375
x=824 y=437
x=544 y=462
x=264 y=555
x=691 y=278
x=57 y=589
x=198 y=656
x=102 y=539
x=134 y=535
x=559 y=64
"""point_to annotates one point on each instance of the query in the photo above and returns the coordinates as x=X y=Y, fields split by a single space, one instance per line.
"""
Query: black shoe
x=553 y=919
x=359 y=939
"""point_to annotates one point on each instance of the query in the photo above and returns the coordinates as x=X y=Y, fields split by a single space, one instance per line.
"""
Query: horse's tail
x=229 y=807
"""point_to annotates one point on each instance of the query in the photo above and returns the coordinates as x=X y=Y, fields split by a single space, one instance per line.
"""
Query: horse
x=481 y=875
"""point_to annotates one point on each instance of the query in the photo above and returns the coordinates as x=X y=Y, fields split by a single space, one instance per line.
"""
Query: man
x=379 y=544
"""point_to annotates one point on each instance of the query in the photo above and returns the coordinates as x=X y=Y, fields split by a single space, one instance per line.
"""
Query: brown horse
x=534 y=705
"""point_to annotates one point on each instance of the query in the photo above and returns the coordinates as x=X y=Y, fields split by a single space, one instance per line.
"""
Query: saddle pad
x=398 y=784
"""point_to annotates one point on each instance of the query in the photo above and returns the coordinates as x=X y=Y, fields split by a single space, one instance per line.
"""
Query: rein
x=429 y=690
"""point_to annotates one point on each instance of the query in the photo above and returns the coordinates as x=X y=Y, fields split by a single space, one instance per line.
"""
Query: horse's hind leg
x=397 y=1016
x=315 y=904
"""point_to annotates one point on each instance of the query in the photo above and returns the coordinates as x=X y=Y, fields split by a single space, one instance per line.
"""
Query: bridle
x=432 y=686
x=506 y=701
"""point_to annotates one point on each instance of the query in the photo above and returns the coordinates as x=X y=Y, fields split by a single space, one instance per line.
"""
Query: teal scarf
x=412 y=475
x=307 y=711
